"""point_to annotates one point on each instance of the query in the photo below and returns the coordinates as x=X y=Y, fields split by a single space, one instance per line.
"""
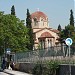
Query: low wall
x=64 y=69
x=25 y=67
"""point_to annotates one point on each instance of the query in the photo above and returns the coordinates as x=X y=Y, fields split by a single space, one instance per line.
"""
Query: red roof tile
x=38 y=14
x=46 y=35
x=56 y=31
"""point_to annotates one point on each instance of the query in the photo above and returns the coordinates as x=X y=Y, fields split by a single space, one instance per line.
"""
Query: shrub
x=48 y=68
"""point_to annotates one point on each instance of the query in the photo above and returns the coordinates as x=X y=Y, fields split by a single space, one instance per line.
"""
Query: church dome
x=38 y=14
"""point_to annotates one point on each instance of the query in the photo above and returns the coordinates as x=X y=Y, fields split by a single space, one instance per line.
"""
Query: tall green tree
x=68 y=31
x=71 y=18
x=13 y=33
x=13 y=10
x=59 y=27
x=30 y=30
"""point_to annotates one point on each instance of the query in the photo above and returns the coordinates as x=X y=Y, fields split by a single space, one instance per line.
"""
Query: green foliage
x=48 y=68
x=13 y=10
x=52 y=66
x=28 y=19
x=68 y=32
x=59 y=27
x=13 y=33
x=71 y=18
x=30 y=31
x=38 y=69
x=39 y=46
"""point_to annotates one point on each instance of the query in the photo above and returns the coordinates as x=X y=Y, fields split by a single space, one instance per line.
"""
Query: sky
x=58 y=11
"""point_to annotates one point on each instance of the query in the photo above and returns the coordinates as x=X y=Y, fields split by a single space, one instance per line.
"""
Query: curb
x=12 y=72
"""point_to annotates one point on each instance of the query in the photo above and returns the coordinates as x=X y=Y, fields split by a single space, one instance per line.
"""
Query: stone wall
x=25 y=67
x=64 y=69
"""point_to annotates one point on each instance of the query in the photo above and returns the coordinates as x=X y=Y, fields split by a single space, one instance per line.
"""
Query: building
x=44 y=36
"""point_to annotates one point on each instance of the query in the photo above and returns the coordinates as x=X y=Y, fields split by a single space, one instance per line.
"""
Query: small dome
x=38 y=14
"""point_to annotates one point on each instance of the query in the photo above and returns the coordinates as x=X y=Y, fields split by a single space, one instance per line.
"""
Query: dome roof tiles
x=38 y=14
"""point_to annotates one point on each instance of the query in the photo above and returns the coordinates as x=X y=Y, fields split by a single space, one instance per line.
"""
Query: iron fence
x=52 y=53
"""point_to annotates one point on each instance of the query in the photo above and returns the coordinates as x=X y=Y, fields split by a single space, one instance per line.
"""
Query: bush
x=49 y=68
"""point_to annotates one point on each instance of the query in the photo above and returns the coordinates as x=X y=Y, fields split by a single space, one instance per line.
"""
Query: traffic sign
x=8 y=50
x=68 y=41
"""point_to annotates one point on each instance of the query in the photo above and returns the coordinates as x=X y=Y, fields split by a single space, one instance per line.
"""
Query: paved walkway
x=12 y=72
x=2 y=73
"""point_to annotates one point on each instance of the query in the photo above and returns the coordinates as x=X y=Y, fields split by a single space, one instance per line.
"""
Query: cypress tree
x=30 y=31
x=13 y=10
x=71 y=18
x=59 y=27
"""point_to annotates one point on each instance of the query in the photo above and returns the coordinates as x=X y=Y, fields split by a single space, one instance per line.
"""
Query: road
x=2 y=73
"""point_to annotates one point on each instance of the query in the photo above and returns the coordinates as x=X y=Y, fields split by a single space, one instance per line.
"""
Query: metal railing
x=52 y=53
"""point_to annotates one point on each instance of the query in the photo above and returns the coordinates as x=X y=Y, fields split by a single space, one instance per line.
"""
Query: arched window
x=42 y=21
x=35 y=21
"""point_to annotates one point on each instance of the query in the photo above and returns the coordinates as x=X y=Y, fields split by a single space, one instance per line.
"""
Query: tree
x=13 y=10
x=48 y=68
x=68 y=32
x=13 y=33
x=30 y=31
x=69 y=29
x=71 y=18
x=59 y=27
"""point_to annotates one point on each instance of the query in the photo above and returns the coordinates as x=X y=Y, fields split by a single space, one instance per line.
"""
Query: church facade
x=44 y=36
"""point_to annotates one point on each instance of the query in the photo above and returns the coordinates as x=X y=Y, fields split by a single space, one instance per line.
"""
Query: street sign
x=68 y=41
x=8 y=50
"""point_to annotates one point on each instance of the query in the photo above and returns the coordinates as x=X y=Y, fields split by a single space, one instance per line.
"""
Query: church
x=44 y=36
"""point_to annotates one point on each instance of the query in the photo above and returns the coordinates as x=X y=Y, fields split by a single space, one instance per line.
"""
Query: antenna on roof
x=37 y=9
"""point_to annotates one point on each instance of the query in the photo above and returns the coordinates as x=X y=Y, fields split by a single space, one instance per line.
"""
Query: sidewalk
x=12 y=72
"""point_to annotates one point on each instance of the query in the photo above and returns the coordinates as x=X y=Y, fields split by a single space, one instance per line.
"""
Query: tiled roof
x=46 y=35
x=38 y=14
x=54 y=30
